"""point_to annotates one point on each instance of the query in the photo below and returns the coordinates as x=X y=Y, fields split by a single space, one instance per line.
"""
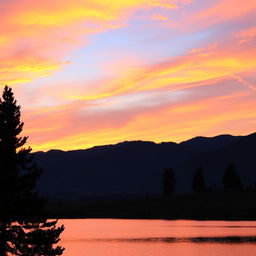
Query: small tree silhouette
x=23 y=229
x=231 y=179
x=198 y=182
x=168 y=182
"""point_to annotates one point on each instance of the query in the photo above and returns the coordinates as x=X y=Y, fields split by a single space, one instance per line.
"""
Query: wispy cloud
x=36 y=36
x=97 y=72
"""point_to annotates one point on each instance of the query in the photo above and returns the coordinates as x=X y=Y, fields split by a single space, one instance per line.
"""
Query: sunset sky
x=95 y=72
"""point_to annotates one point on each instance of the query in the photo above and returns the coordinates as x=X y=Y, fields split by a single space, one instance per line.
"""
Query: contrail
x=244 y=82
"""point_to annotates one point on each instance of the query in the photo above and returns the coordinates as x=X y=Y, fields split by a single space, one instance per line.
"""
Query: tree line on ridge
x=231 y=181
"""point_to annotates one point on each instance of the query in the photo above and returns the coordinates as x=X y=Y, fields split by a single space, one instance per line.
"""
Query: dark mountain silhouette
x=136 y=167
x=202 y=144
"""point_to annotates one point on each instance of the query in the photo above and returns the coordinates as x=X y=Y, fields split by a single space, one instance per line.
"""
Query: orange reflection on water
x=114 y=237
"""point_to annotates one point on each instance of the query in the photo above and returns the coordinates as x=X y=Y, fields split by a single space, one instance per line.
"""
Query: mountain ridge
x=136 y=167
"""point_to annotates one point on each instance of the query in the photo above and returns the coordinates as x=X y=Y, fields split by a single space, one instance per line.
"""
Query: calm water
x=112 y=237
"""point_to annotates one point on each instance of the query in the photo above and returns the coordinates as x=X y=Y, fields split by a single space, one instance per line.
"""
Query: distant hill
x=136 y=167
x=203 y=144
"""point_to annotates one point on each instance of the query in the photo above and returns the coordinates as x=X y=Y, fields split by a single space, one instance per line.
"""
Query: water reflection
x=110 y=237
x=224 y=239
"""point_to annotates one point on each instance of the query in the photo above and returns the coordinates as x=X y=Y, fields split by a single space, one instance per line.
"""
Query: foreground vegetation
x=24 y=230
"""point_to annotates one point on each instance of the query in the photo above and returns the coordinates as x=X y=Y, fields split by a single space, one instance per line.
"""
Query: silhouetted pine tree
x=23 y=229
x=198 y=182
x=231 y=179
x=168 y=182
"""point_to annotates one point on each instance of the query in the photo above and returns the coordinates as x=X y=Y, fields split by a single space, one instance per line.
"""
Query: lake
x=119 y=237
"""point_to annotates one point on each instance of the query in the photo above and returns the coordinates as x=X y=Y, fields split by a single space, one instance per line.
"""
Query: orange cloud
x=26 y=69
x=178 y=122
x=159 y=17
x=49 y=30
x=182 y=72
x=164 y=5
x=37 y=36
x=246 y=35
